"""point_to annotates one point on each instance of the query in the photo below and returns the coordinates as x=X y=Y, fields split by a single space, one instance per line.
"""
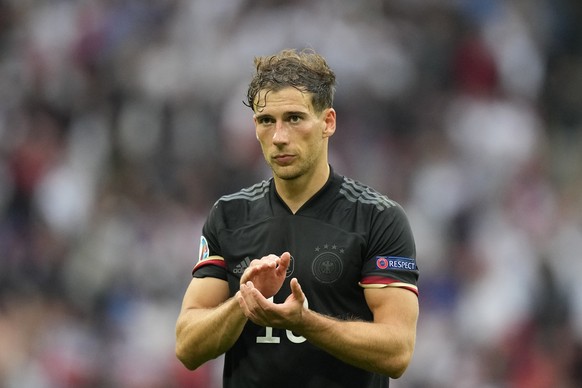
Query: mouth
x=283 y=159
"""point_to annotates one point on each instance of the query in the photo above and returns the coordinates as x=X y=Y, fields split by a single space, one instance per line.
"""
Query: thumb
x=286 y=257
x=296 y=290
x=284 y=262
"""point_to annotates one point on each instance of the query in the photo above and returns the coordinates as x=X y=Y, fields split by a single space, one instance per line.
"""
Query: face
x=292 y=135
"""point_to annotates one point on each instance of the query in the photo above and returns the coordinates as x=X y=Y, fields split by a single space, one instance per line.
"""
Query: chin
x=286 y=173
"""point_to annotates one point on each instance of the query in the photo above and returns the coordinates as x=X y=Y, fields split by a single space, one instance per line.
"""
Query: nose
x=281 y=134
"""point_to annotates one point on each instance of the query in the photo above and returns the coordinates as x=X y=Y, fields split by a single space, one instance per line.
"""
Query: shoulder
x=359 y=193
x=248 y=194
x=245 y=206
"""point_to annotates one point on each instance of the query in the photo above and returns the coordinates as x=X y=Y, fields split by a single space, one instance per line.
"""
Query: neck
x=296 y=192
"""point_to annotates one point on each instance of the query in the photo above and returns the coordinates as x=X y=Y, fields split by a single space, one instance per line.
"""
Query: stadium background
x=122 y=121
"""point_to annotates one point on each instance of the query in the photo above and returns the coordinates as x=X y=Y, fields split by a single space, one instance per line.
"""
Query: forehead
x=286 y=99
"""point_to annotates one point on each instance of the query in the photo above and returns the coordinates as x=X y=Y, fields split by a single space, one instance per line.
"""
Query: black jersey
x=345 y=238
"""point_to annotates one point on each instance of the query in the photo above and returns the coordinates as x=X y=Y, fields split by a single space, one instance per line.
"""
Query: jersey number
x=269 y=338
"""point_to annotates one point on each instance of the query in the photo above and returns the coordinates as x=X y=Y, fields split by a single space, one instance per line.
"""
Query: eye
x=265 y=120
x=294 y=118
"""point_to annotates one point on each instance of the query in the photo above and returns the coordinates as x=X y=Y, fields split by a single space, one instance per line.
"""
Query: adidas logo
x=240 y=267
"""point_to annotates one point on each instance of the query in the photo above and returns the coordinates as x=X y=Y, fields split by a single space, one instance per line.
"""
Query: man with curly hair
x=309 y=278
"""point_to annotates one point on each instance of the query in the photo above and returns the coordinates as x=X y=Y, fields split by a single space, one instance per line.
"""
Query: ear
x=255 y=122
x=329 y=120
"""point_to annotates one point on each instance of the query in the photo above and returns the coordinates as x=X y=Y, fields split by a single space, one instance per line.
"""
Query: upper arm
x=205 y=292
x=395 y=306
x=395 y=312
x=201 y=331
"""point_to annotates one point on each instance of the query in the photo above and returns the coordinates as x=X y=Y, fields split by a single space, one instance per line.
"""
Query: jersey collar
x=324 y=194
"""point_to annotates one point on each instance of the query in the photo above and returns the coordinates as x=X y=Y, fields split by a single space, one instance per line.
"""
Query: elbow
x=398 y=365
x=400 y=360
x=193 y=357
x=184 y=351
x=397 y=372
x=395 y=369
x=394 y=364
x=186 y=357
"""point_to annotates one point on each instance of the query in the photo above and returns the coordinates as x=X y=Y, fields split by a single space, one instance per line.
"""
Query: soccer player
x=308 y=279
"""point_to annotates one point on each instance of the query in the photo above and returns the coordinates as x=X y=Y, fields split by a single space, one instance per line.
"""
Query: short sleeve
x=391 y=257
x=210 y=261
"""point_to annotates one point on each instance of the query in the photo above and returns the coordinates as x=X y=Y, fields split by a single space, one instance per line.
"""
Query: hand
x=262 y=311
x=267 y=274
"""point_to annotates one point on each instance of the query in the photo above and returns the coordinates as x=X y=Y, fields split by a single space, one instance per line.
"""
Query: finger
x=269 y=259
x=256 y=307
x=268 y=262
x=242 y=303
x=247 y=286
x=247 y=300
x=296 y=290
x=253 y=297
x=245 y=289
x=264 y=310
x=249 y=273
x=284 y=262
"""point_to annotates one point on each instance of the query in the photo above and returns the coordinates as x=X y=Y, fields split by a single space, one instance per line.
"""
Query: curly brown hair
x=304 y=70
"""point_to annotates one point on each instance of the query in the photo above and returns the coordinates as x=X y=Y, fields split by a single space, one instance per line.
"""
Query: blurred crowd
x=121 y=122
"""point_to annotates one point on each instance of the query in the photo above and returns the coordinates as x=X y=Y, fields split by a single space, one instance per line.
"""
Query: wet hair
x=304 y=70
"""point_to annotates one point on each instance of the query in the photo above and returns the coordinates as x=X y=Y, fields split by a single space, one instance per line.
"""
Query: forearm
x=204 y=334
x=377 y=347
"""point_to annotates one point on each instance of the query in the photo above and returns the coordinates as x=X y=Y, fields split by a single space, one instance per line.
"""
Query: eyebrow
x=294 y=113
x=263 y=116
x=285 y=114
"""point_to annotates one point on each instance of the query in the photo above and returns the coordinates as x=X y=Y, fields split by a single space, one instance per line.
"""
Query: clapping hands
x=267 y=274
